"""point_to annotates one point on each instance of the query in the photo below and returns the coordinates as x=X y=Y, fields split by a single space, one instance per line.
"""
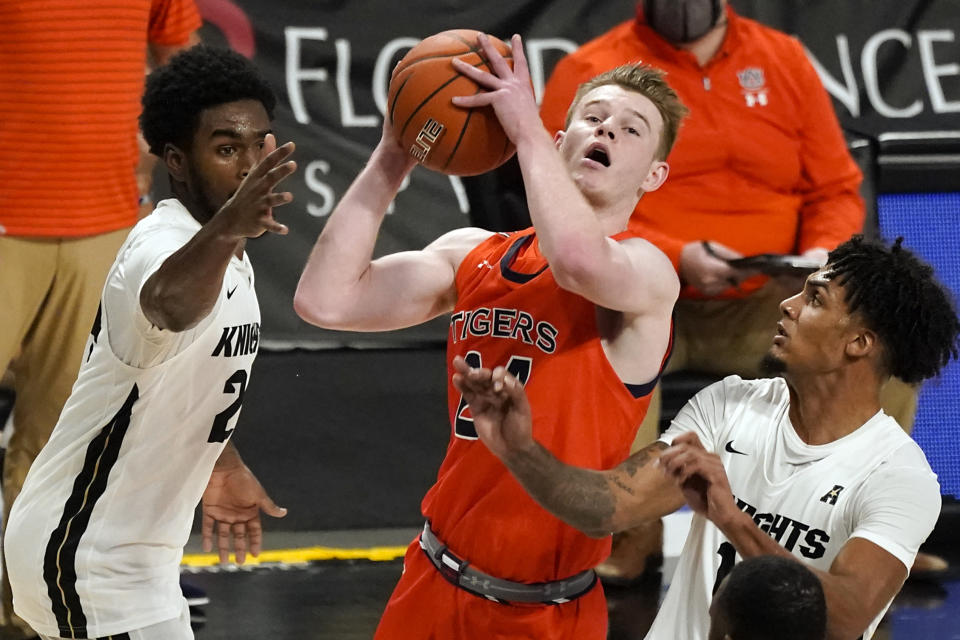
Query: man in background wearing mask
x=760 y=166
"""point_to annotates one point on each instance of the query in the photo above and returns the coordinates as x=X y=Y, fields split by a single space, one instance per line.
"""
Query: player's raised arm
x=342 y=287
x=186 y=286
x=596 y=502
x=580 y=196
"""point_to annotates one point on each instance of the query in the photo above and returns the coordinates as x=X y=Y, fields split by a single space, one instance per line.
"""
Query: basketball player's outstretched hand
x=509 y=91
x=249 y=211
x=701 y=477
x=231 y=505
x=498 y=406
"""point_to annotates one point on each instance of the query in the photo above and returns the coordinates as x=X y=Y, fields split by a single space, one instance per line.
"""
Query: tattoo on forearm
x=641 y=458
x=580 y=497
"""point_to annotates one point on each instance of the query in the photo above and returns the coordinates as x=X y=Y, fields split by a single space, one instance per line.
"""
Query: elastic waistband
x=459 y=573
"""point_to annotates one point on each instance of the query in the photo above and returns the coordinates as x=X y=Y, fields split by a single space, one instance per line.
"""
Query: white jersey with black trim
x=874 y=483
x=95 y=538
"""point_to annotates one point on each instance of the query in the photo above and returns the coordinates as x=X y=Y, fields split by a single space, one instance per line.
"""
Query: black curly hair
x=899 y=298
x=196 y=79
x=772 y=597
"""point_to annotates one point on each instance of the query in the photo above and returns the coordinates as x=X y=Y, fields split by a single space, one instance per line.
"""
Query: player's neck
x=613 y=216
x=827 y=407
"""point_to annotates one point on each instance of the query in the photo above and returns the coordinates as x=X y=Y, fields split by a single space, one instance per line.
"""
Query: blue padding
x=930 y=226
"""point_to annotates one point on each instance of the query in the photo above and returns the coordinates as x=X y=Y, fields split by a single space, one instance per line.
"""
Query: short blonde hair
x=649 y=82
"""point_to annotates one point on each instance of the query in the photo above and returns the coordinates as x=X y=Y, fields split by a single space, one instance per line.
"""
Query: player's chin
x=774 y=362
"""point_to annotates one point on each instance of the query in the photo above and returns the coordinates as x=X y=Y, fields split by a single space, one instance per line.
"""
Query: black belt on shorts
x=459 y=573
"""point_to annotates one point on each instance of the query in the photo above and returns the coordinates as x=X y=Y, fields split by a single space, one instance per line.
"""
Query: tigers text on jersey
x=874 y=483
x=95 y=538
x=510 y=311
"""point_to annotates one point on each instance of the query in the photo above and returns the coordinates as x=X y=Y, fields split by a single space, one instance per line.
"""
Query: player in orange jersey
x=577 y=307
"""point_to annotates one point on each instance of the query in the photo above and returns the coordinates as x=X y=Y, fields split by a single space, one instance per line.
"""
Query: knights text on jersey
x=95 y=538
x=874 y=483
x=511 y=312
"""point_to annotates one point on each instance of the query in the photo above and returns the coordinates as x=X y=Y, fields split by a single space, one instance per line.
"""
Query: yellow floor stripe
x=300 y=556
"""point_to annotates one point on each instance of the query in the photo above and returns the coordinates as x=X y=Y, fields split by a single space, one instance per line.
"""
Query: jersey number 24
x=518 y=366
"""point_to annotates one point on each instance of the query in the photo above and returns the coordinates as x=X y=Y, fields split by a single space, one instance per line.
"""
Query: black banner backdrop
x=890 y=65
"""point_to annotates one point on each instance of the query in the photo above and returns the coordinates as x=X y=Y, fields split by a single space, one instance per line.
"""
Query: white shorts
x=176 y=629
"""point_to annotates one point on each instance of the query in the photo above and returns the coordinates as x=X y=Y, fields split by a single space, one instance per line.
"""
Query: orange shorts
x=424 y=606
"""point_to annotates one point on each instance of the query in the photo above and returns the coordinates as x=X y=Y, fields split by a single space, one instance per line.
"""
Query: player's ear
x=176 y=162
x=655 y=177
x=558 y=138
x=863 y=343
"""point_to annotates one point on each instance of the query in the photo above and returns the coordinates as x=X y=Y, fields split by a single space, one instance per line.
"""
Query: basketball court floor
x=324 y=585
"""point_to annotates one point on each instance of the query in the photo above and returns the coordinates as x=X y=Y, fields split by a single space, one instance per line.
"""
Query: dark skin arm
x=862 y=579
x=186 y=286
x=595 y=502
x=231 y=505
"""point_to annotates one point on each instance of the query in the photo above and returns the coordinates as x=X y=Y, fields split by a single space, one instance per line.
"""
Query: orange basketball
x=441 y=136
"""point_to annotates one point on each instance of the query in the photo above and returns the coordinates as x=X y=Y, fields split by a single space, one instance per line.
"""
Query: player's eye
x=632 y=131
x=226 y=150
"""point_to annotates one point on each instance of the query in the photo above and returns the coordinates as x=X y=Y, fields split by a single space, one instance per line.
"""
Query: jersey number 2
x=519 y=368
x=219 y=432
x=728 y=558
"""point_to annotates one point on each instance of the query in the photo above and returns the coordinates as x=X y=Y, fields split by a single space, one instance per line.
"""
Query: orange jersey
x=510 y=311
x=71 y=77
x=760 y=164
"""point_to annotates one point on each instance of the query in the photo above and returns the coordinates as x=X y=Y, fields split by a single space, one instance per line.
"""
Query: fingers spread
x=223 y=542
x=519 y=58
x=206 y=532
x=240 y=541
x=497 y=64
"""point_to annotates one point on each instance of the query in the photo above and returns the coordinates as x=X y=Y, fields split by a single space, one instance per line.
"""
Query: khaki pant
x=49 y=292
x=724 y=337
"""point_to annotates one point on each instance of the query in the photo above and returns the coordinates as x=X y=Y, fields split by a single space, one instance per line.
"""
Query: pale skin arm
x=342 y=287
x=862 y=579
x=231 y=507
x=595 y=502
x=631 y=276
x=186 y=286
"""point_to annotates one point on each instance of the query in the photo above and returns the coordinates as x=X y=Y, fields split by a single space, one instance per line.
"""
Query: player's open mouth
x=598 y=153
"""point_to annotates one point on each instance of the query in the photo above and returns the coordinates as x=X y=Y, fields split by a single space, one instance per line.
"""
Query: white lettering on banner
x=535 y=48
x=850 y=98
x=317 y=186
x=294 y=74
x=348 y=117
x=848 y=93
x=932 y=72
x=871 y=78
x=461 y=194
x=384 y=67
x=319 y=168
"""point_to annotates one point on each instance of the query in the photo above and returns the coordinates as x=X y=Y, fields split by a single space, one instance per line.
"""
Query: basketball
x=443 y=137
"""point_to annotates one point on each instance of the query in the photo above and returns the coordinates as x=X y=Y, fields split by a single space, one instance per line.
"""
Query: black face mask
x=682 y=21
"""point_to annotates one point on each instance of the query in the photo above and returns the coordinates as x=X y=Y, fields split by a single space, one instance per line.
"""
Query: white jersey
x=95 y=538
x=874 y=483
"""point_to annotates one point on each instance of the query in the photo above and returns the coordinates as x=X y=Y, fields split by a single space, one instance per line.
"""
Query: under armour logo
x=755 y=98
x=485 y=263
x=832 y=495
